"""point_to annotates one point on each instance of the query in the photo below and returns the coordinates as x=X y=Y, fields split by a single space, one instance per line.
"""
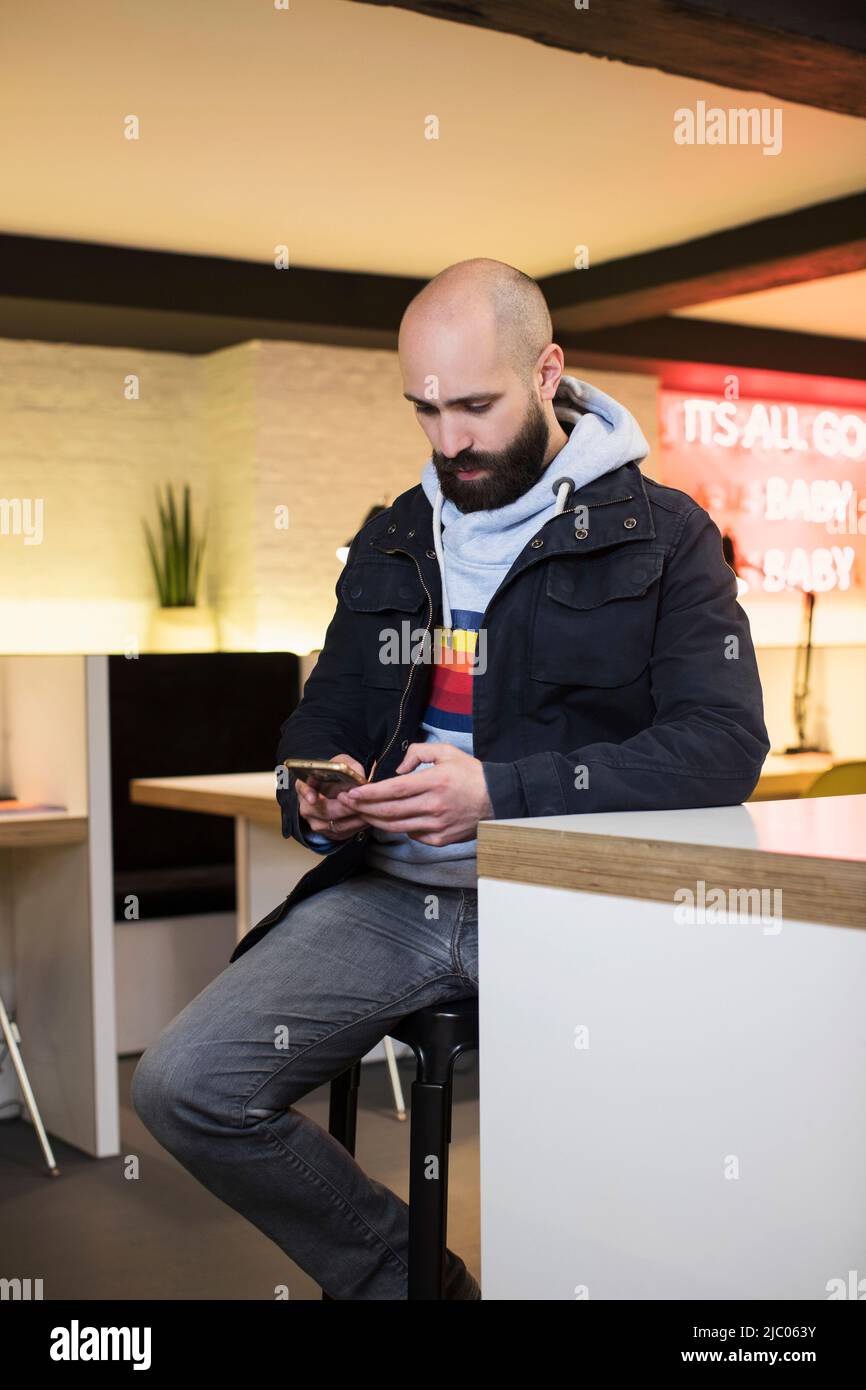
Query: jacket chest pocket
x=389 y=600
x=595 y=620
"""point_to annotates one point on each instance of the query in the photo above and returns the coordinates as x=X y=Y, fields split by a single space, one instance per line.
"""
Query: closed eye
x=473 y=409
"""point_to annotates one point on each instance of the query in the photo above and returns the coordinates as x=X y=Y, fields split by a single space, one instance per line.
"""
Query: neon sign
x=785 y=480
x=752 y=424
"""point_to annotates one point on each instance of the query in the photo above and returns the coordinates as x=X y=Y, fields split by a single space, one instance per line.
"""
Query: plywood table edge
x=20 y=833
x=822 y=890
x=209 y=803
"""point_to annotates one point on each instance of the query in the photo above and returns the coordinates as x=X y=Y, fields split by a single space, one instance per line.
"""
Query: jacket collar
x=618 y=509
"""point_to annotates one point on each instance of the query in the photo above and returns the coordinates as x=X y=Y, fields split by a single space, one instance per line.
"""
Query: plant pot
x=185 y=628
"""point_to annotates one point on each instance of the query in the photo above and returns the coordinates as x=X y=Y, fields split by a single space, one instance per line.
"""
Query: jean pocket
x=464 y=947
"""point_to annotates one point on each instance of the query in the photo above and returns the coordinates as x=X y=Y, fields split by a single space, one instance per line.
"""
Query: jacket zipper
x=399 y=551
x=411 y=673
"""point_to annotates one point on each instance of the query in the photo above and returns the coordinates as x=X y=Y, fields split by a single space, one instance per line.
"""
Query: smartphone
x=318 y=772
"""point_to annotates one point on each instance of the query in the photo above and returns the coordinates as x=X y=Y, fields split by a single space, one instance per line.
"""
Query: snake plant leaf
x=176 y=569
x=197 y=568
x=190 y=596
x=154 y=561
x=175 y=539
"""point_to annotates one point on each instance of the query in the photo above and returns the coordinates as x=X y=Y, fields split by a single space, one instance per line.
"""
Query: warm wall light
x=58 y=626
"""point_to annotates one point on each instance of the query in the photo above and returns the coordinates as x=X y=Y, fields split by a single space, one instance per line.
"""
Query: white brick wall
x=323 y=431
x=68 y=436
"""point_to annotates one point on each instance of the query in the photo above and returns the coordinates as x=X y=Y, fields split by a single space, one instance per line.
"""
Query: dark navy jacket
x=614 y=645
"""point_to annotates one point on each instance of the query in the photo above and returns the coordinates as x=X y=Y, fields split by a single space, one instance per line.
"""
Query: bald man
x=534 y=629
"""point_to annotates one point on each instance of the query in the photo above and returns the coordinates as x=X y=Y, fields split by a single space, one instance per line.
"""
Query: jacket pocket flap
x=589 y=581
x=374 y=586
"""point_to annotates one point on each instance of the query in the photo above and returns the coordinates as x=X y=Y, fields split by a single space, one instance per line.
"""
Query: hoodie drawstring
x=562 y=487
x=440 y=556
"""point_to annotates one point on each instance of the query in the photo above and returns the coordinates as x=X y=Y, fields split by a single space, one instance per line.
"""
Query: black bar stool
x=437 y=1036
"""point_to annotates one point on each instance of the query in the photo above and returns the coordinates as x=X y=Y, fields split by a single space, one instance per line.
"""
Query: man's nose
x=453 y=443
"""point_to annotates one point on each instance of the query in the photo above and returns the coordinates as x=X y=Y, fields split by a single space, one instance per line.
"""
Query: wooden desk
x=267 y=869
x=267 y=866
x=672 y=1106
x=251 y=794
x=790 y=774
x=248 y=794
x=41 y=828
x=56 y=902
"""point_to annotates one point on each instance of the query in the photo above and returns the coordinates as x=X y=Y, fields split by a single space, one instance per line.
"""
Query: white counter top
x=830 y=827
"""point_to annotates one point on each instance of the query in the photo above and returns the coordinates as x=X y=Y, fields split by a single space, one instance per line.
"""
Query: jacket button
x=431 y=554
x=581 y=534
x=629 y=522
x=411 y=533
x=361 y=835
x=536 y=543
x=356 y=590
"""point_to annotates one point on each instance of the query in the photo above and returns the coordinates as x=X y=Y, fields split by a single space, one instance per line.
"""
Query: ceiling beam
x=89 y=273
x=810 y=244
x=64 y=291
x=794 y=50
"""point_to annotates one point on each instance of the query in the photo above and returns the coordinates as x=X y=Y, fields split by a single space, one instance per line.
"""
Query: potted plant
x=180 y=624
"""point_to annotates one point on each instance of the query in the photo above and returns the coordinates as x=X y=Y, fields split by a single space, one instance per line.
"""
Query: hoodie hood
x=604 y=436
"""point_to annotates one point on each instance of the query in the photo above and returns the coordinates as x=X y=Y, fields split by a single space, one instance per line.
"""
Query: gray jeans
x=218 y=1087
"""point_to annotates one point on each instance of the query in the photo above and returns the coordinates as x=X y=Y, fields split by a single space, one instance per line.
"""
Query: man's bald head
x=481 y=370
x=487 y=299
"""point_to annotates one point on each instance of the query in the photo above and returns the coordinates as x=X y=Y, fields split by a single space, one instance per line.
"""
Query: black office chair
x=437 y=1036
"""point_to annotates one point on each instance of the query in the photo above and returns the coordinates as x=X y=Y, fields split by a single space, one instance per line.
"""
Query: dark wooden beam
x=809 y=244
x=57 y=291
x=86 y=273
x=801 y=51
x=650 y=346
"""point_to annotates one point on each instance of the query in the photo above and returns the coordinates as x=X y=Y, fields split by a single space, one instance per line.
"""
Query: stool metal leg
x=437 y=1036
x=396 y=1087
x=343 y=1109
x=343 y=1114
x=9 y=1031
x=428 y=1188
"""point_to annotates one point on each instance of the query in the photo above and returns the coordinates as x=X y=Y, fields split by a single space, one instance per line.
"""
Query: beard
x=512 y=471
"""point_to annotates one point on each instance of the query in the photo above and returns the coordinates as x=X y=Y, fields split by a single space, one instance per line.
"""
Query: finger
x=421 y=800
x=335 y=806
x=304 y=790
x=429 y=821
x=423 y=753
x=352 y=762
x=392 y=788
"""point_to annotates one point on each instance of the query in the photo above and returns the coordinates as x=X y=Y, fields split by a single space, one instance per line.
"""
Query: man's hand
x=318 y=809
x=441 y=805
